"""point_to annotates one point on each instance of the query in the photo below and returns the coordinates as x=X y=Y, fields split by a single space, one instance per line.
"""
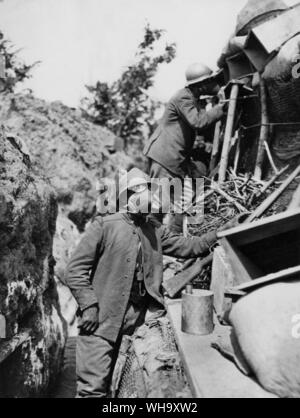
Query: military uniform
x=119 y=266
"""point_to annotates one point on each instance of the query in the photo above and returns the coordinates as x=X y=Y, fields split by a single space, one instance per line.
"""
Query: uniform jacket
x=102 y=267
x=172 y=142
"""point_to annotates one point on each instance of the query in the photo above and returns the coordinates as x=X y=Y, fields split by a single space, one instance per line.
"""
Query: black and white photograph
x=149 y=202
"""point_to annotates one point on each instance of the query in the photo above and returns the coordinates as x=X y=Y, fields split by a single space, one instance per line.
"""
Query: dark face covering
x=143 y=200
x=138 y=218
x=196 y=91
x=205 y=89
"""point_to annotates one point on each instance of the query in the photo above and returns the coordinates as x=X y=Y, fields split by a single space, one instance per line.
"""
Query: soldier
x=116 y=274
x=170 y=147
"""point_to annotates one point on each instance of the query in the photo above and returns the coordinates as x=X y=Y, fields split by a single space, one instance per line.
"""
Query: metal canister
x=197 y=312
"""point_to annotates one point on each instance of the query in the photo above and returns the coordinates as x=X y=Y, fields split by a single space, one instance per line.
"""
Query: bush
x=125 y=107
x=15 y=70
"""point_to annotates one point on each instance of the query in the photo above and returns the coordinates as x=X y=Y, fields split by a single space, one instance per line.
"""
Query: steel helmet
x=132 y=179
x=197 y=72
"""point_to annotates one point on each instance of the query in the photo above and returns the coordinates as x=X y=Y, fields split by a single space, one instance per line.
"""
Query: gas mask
x=140 y=200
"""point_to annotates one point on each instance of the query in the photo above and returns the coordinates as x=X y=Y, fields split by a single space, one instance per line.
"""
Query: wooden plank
x=209 y=374
x=264 y=131
x=274 y=196
x=228 y=132
x=216 y=146
x=233 y=293
x=272 y=180
x=176 y=283
x=265 y=228
x=222 y=277
x=237 y=155
x=270 y=157
x=7 y=347
x=284 y=275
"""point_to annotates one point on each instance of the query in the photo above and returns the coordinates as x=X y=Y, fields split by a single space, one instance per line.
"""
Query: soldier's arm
x=81 y=264
x=198 y=119
x=176 y=245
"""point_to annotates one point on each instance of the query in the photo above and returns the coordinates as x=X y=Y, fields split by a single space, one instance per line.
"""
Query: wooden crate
x=265 y=251
x=265 y=40
x=222 y=278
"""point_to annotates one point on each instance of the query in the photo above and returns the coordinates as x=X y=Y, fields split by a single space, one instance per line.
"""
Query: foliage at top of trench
x=124 y=106
x=16 y=71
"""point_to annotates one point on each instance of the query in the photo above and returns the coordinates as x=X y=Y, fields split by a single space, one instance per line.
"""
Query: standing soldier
x=115 y=274
x=170 y=147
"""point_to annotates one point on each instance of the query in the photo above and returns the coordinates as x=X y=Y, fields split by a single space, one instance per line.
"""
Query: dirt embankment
x=72 y=152
x=28 y=296
x=50 y=161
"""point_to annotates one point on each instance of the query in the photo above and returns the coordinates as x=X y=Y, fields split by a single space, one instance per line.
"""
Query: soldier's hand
x=90 y=320
x=222 y=94
x=225 y=106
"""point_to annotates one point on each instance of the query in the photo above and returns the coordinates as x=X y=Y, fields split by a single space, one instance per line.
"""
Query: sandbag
x=282 y=79
x=265 y=325
x=256 y=12
x=280 y=68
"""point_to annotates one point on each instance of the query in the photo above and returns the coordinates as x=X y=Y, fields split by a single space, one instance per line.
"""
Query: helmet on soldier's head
x=133 y=181
x=132 y=188
x=197 y=72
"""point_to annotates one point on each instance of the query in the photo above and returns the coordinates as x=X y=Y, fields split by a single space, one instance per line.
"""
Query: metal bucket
x=198 y=312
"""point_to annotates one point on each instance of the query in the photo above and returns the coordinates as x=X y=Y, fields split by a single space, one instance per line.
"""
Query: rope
x=259 y=125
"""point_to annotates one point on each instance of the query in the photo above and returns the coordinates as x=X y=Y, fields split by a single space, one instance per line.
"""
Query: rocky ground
x=50 y=161
x=28 y=294
x=70 y=151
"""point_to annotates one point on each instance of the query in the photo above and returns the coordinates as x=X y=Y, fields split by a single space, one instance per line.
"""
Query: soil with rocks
x=70 y=151
x=28 y=294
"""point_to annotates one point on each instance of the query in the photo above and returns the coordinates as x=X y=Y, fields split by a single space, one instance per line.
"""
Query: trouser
x=194 y=171
x=96 y=356
x=175 y=222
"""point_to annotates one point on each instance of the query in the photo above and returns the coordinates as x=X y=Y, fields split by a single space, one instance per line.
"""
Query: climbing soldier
x=170 y=147
x=116 y=276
